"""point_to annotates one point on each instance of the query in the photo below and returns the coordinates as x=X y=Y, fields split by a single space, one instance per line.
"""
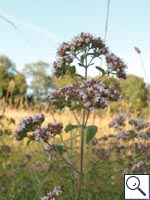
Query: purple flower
x=115 y=64
x=119 y=121
x=139 y=123
x=90 y=94
x=45 y=133
x=52 y=195
x=82 y=46
x=28 y=124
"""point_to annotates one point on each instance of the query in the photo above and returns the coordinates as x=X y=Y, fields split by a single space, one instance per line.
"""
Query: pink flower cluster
x=90 y=94
x=140 y=147
x=102 y=153
x=80 y=42
x=117 y=147
x=144 y=134
x=86 y=45
x=52 y=195
x=140 y=167
x=28 y=124
x=44 y=134
x=33 y=124
x=139 y=123
x=63 y=65
x=119 y=121
x=126 y=135
x=116 y=65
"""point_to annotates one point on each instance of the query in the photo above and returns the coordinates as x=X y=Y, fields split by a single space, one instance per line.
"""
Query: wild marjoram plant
x=81 y=97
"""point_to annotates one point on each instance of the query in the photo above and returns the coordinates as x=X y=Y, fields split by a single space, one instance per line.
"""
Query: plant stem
x=86 y=72
x=80 y=178
x=76 y=118
x=87 y=118
x=66 y=161
x=81 y=165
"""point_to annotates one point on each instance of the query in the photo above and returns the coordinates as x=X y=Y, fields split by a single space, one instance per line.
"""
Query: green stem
x=80 y=178
x=87 y=118
x=66 y=161
x=81 y=165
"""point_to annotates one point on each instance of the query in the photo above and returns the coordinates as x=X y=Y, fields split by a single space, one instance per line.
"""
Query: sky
x=44 y=24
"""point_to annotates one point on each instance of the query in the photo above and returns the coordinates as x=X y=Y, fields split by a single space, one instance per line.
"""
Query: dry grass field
x=65 y=117
x=27 y=173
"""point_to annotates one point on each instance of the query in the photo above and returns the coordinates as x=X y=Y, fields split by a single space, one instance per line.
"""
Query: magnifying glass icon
x=133 y=183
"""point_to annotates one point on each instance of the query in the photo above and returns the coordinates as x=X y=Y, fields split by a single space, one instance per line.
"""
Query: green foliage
x=70 y=127
x=41 y=81
x=26 y=173
x=12 y=83
x=20 y=84
x=78 y=106
x=111 y=81
x=101 y=70
x=65 y=80
x=90 y=133
x=59 y=149
x=134 y=91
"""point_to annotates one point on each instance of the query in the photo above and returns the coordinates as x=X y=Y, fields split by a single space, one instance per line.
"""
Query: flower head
x=116 y=65
x=45 y=133
x=27 y=124
x=52 y=195
x=84 y=46
x=90 y=94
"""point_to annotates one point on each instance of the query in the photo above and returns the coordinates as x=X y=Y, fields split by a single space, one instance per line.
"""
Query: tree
x=7 y=63
x=65 y=80
x=20 y=84
x=41 y=82
x=134 y=91
x=12 y=82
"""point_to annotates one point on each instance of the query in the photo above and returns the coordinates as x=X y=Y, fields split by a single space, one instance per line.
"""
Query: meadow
x=27 y=172
x=74 y=145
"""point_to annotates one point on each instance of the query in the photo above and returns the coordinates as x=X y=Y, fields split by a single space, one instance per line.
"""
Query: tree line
x=36 y=80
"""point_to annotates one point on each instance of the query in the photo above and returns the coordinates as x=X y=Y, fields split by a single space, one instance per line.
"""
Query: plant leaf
x=90 y=133
x=82 y=59
x=78 y=106
x=28 y=142
x=80 y=64
x=70 y=127
x=101 y=70
x=72 y=70
x=78 y=75
x=60 y=149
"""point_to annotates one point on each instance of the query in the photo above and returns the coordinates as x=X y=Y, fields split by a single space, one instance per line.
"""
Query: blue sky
x=47 y=23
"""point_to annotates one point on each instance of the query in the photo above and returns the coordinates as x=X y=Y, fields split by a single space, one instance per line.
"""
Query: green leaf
x=82 y=59
x=70 y=127
x=90 y=133
x=60 y=149
x=101 y=70
x=78 y=75
x=72 y=70
x=80 y=64
x=28 y=142
x=92 y=64
x=78 y=106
